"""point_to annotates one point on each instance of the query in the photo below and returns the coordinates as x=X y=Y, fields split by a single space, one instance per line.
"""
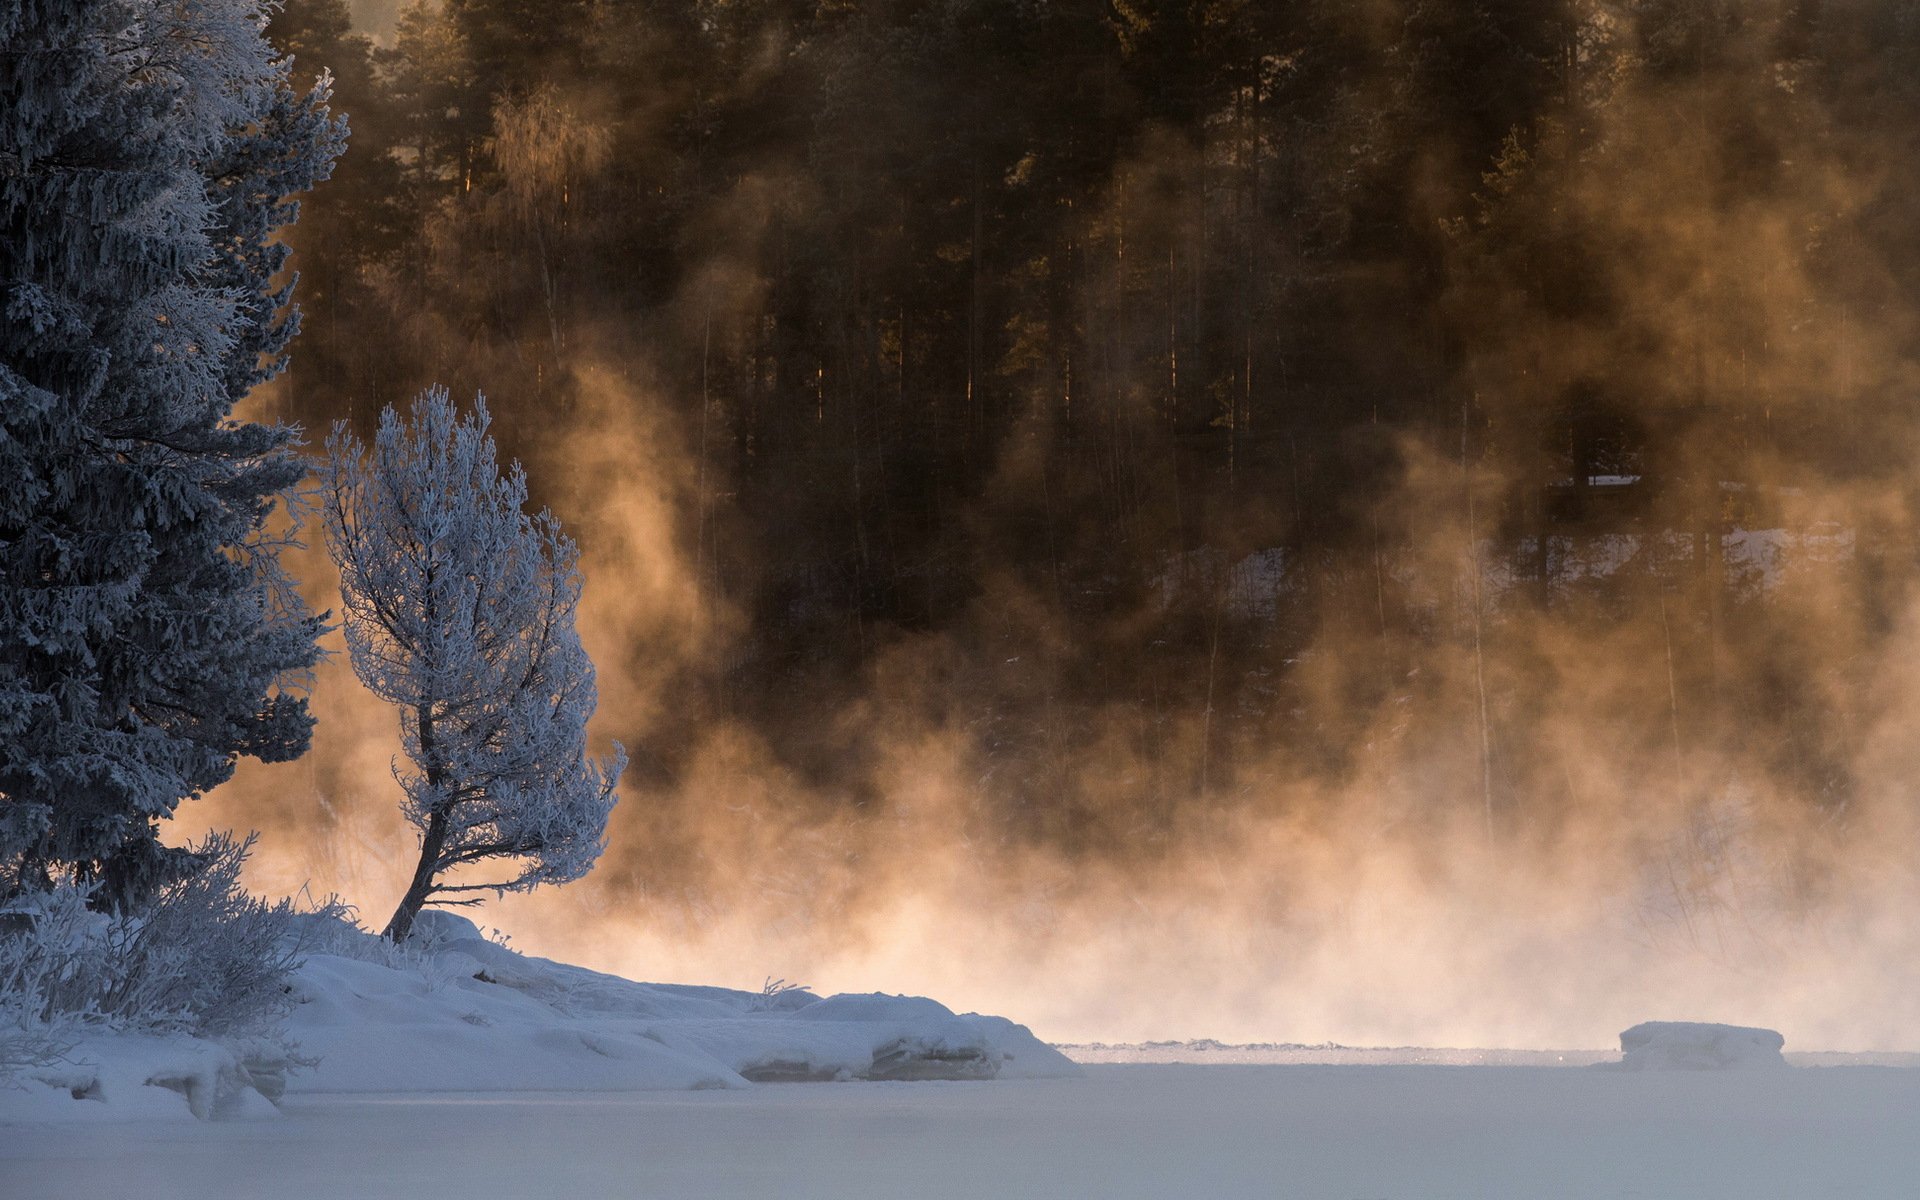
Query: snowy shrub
x=23 y=1044
x=333 y=931
x=50 y=957
x=338 y=933
x=777 y=994
x=203 y=957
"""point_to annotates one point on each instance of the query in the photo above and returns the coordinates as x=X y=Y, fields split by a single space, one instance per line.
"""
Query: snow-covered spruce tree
x=460 y=610
x=147 y=153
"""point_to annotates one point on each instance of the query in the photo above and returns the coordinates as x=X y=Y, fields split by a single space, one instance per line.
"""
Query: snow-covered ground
x=479 y=1017
x=1313 y=1132
x=455 y=1012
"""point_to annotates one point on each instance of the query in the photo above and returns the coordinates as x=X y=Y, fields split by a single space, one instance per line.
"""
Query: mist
x=1355 y=523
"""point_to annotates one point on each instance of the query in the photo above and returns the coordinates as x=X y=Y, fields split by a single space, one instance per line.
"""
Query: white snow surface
x=460 y=1013
x=1117 y=1133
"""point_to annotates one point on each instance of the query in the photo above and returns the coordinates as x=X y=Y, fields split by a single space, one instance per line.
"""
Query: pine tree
x=460 y=610
x=147 y=636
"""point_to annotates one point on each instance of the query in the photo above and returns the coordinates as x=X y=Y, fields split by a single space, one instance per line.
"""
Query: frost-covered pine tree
x=460 y=610
x=147 y=155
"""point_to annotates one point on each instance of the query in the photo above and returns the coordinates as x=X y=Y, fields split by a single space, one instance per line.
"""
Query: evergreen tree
x=356 y=221
x=147 y=157
x=460 y=610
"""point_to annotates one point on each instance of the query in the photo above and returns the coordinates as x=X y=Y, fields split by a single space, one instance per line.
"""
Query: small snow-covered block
x=1699 y=1046
x=436 y=925
x=875 y=1006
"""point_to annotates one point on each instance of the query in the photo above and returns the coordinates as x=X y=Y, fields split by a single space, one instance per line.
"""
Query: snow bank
x=472 y=1015
x=127 y=1077
x=454 y=1012
x=1695 y=1046
x=436 y=1028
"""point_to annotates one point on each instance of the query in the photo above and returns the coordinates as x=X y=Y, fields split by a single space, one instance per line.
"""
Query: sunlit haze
x=1268 y=527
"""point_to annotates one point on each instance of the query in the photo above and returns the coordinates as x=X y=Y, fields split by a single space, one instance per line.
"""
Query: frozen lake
x=1318 y=1132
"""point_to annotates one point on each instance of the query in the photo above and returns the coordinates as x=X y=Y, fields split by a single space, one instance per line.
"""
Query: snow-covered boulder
x=1697 y=1046
x=435 y=925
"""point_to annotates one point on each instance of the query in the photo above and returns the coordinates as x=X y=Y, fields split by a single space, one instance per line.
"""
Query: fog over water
x=1255 y=525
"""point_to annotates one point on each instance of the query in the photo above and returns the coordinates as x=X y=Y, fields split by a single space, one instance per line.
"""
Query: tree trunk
x=431 y=844
x=401 y=925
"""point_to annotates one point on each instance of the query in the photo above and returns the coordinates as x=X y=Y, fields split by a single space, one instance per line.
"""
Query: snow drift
x=452 y=1011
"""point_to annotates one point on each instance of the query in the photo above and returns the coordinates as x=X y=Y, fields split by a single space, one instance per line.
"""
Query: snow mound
x=438 y=1027
x=451 y=1011
x=432 y=925
x=1696 y=1046
x=461 y=1013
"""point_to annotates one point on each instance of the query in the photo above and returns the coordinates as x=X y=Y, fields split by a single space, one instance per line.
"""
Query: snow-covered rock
x=1697 y=1046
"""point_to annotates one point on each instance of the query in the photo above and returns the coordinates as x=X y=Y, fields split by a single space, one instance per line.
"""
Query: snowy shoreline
x=454 y=1013
x=460 y=1013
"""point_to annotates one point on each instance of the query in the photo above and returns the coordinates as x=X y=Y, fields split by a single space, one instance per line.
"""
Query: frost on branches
x=459 y=608
x=147 y=153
